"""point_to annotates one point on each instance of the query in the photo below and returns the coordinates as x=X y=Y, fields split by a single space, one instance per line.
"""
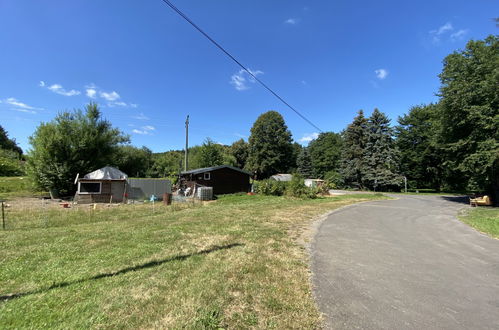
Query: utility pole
x=186 y=143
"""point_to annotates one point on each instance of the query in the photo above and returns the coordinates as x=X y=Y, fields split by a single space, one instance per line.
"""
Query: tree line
x=449 y=145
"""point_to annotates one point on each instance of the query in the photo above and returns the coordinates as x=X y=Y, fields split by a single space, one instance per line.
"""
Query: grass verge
x=234 y=263
x=483 y=219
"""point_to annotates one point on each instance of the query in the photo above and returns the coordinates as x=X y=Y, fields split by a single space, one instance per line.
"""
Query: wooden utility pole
x=186 y=143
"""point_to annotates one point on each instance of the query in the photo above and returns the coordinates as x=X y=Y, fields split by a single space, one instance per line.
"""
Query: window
x=89 y=187
x=207 y=176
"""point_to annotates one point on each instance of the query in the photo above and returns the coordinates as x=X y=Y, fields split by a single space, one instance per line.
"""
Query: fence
x=45 y=213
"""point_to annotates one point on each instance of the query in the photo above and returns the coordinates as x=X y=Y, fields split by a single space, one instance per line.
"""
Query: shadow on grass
x=150 y=264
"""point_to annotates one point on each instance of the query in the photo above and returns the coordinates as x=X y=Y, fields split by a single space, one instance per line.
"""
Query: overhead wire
x=178 y=11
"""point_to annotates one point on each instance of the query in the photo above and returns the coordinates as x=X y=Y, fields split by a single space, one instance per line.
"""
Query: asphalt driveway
x=405 y=264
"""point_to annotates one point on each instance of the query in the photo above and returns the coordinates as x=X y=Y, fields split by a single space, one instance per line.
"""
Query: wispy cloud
x=145 y=130
x=241 y=136
x=292 y=21
x=308 y=137
x=140 y=116
x=20 y=106
x=58 y=89
x=458 y=35
x=438 y=34
x=242 y=79
x=381 y=73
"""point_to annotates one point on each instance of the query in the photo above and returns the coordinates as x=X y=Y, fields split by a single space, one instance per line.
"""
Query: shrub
x=296 y=188
x=270 y=187
x=10 y=164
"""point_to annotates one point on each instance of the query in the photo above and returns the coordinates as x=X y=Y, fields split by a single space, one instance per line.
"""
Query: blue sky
x=148 y=69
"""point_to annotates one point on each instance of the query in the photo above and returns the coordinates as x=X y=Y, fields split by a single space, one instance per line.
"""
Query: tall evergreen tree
x=381 y=156
x=469 y=116
x=304 y=163
x=270 y=147
x=420 y=156
x=353 y=162
x=325 y=152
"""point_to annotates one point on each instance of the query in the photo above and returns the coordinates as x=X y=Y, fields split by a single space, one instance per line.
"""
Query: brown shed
x=105 y=185
x=224 y=179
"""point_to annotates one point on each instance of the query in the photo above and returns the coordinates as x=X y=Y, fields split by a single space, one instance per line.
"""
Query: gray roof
x=282 y=177
x=106 y=173
x=214 y=168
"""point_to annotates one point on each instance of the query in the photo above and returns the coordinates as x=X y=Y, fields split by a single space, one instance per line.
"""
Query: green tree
x=325 y=152
x=167 y=164
x=270 y=147
x=7 y=143
x=74 y=142
x=239 y=150
x=353 y=161
x=211 y=154
x=469 y=116
x=381 y=155
x=133 y=161
x=420 y=156
x=304 y=163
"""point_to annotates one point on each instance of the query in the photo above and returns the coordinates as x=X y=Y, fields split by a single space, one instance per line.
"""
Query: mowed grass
x=484 y=219
x=233 y=263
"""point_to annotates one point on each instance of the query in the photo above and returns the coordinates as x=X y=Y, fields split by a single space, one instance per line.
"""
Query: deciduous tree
x=74 y=142
x=270 y=146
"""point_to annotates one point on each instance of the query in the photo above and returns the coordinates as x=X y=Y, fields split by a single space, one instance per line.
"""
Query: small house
x=105 y=185
x=223 y=179
x=282 y=177
x=314 y=183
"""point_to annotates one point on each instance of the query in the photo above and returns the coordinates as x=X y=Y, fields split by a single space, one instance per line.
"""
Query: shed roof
x=282 y=177
x=106 y=173
x=214 y=168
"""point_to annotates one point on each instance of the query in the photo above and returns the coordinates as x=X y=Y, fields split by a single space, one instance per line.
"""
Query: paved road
x=405 y=264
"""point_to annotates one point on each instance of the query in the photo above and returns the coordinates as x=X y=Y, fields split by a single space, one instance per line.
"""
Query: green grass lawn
x=17 y=186
x=232 y=263
x=484 y=219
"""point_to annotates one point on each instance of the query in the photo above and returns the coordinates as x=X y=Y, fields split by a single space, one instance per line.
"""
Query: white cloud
x=42 y=83
x=140 y=116
x=241 y=79
x=58 y=89
x=308 y=137
x=381 y=73
x=145 y=130
x=20 y=106
x=437 y=34
x=458 y=35
x=133 y=105
x=117 y=104
x=113 y=96
x=92 y=93
x=137 y=131
x=292 y=21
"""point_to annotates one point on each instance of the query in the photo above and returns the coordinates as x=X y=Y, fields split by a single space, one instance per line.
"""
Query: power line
x=172 y=6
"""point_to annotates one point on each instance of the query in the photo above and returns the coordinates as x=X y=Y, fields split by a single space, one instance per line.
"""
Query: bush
x=270 y=187
x=296 y=188
x=10 y=164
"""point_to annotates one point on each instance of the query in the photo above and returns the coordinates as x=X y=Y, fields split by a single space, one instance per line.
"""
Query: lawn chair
x=480 y=201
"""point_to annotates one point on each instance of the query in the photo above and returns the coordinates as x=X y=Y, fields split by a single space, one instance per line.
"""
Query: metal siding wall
x=144 y=188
